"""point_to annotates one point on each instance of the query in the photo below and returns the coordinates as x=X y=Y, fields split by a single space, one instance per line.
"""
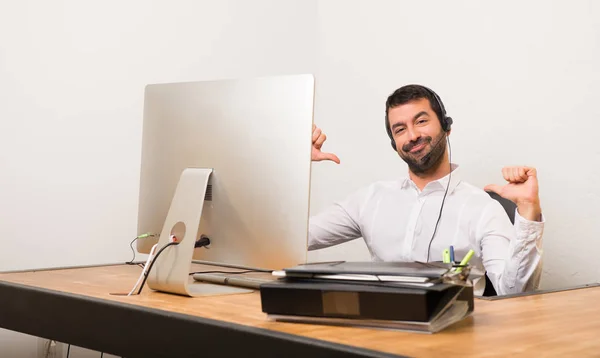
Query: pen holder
x=458 y=275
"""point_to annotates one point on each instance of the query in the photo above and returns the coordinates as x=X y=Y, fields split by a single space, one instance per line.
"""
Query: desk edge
x=97 y=324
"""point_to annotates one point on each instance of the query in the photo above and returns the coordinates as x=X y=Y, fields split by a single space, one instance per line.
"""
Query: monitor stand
x=171 y=271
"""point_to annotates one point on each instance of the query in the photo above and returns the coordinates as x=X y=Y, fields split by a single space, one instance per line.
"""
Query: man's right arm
x=339 y=222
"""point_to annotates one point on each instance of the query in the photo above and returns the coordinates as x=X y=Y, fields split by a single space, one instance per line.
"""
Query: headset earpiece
x=447 y=124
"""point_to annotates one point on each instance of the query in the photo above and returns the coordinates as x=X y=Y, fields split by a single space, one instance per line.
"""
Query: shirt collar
x=437 y=185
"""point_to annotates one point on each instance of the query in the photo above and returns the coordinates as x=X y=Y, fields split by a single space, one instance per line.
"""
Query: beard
x=424 y=162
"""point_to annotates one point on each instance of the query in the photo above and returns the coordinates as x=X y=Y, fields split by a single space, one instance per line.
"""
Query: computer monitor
x=253 y=136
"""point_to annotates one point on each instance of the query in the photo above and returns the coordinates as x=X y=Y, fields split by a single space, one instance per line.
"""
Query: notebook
x=408 y=272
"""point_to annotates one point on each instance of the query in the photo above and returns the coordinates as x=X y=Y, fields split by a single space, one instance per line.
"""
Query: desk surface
x=554 y=323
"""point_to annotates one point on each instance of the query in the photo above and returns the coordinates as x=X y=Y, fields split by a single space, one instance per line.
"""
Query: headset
x=445 y=121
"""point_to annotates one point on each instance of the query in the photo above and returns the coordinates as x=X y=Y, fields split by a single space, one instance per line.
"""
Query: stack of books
x=413 y=296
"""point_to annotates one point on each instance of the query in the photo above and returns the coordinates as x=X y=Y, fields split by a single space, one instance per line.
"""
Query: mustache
x=410 y=145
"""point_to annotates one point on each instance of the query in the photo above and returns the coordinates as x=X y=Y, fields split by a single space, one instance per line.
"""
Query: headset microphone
x=426 y=156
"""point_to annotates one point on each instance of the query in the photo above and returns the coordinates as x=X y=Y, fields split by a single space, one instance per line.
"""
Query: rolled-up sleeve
x=511 y=254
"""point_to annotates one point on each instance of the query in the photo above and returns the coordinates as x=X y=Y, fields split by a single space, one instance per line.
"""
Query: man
x=417 y=217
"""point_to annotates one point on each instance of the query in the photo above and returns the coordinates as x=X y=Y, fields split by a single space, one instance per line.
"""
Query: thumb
x=330 y=156
x=494 y=188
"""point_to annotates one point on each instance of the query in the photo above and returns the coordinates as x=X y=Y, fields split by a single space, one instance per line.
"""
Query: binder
x=324 y=293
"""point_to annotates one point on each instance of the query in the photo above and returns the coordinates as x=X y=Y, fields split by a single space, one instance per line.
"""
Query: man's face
x=420 y=140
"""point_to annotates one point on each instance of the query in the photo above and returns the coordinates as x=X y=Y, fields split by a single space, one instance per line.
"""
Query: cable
x=152 y=263
x=101 y=354
x=204 y=241
x=143 y=274
x=143 y=236
x=133 y=251
x=48 y=348
x=443 y=199
x=68 y=350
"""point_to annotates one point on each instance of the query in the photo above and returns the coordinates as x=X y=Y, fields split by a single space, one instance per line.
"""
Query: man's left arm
x=521 y=268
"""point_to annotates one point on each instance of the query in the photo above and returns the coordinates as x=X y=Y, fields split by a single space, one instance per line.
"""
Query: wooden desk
x=75 y=306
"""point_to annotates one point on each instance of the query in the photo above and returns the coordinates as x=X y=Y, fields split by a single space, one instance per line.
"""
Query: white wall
x=520 y=79
x=72 y=77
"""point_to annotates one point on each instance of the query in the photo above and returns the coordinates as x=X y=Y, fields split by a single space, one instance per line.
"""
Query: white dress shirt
x=397 y=220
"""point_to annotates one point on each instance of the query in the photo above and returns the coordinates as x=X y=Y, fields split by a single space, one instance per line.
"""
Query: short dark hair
x=410 y=93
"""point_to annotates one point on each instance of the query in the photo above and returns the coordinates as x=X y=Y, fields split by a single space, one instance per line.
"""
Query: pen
x=446 y=256
x=232 y=281
x=451 y=253
x=324 y=263
x=465 y=260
